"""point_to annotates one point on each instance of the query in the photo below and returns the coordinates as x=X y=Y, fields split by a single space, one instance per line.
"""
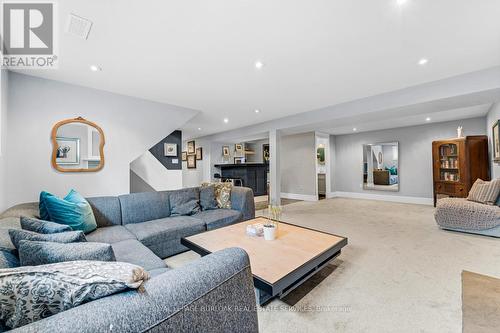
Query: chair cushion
x=185 y=201
x=107 y=210
x=42 y=227
x=219 y=218
x=33 y=253
x=155 y=234
x=132 y=251
x=72 y=210
x=142 y=207
x=61 y=237
x=110 y=234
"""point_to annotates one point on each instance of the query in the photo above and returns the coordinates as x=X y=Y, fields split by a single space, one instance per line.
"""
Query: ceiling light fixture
x=257 y=111
x=423 y=61
x=199 y=128
x=95 y=68
x=259 y=64
x=354 y=129
x=226 y=120
x=428 y=119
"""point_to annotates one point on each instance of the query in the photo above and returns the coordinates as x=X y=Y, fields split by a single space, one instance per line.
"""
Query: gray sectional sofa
x=212 y=294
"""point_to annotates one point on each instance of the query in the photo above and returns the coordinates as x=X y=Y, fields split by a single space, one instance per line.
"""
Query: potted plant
x=271 y=227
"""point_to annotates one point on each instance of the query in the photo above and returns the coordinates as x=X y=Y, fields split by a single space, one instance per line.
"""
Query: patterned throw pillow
x=42 y=227
x=31 y=293
x=222 y=193
x=32 y=253
x=61 y=237
x=485 y=192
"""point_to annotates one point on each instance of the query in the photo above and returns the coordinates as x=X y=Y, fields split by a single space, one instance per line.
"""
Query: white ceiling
x=200 y=54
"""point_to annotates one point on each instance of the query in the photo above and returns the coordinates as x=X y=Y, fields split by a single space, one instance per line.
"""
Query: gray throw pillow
x=31 y=293
x=33 y=253
x=185 y=202
x=43 y=227
x=8 y=259
x=207 y=197
x=61 y=237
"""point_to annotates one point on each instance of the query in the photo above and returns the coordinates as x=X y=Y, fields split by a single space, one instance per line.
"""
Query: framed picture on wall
x=238 y=147
x=496 y=142
x=170 y=149
x=239 y=160
x=184 y=156
x=191 y=147
x=265 y=153
x=225 y=150
x=199 y=153
x=68 y=151
x=191 y=161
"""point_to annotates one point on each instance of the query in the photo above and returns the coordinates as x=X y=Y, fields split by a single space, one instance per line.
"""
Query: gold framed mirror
x=77 y=146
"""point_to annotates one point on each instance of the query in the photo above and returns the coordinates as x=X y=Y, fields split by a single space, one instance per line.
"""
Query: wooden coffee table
x=278 y=266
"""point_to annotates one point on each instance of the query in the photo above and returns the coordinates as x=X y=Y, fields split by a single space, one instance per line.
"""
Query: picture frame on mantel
x=496 y=141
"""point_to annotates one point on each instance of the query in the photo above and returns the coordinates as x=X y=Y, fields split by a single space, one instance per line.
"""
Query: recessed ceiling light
x=257 y=111
x=428 y=119
x=95 y=68
x=423 y=61
x=226 y=120
x=199 y=128
x=259 y=64
x=401 y=2
x=354 y=129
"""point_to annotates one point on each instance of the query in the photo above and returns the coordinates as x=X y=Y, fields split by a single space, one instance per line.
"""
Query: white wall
x=298 y=165
x=131 y=126
x=492 y=117
x=256 y=146
x=415 y=155
x=3 y=139
x=153 y=173
x=202 y=173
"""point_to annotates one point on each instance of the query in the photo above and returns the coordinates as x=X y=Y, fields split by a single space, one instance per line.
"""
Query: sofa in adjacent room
x=142 y=231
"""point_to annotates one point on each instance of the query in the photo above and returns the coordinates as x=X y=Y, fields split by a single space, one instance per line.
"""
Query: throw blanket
x=30 y=293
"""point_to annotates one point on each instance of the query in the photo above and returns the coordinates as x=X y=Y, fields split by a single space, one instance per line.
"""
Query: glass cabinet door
x=448 y=162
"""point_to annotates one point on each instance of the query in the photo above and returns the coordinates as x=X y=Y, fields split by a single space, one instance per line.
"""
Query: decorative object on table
x=460 y=132
x=191 y=147
x=184 y=156
x=67 y=136
x=191 y=161
x=199 y=153
x=255 y=229
x=32 y=293
x=170 y=149
x=265 y=153
x=238 y=148
x=269 y=231
x=239 y=160
x=271 y=226
x=225 y=151
x=458 y=163
x=496 y=142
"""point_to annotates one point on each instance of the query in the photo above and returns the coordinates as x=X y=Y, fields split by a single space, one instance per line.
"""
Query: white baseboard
x=381 y=197
x=304 y=197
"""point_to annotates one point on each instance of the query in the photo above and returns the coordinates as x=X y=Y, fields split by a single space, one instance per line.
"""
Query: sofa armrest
x=212 y=294
x=242 y=200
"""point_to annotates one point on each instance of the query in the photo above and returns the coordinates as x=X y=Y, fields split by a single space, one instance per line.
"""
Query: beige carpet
x=480 y=303
x=399 y=273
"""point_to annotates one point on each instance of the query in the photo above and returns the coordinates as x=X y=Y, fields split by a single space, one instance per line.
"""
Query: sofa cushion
x=72 y=210
x=141 y=207
x=6 y=224
x=207 y=197
x=31 y=293
x=158 y=271
x=33 y=253
x=219 y=218
x=42 y=227
x=155 y=234
x=8 y=259
x=61 y=237
x=107 y=210
x=485 y=192
x=29 y=209
x=110 y=235
x=458 y=213
x=134 y=252
x=185 y=201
